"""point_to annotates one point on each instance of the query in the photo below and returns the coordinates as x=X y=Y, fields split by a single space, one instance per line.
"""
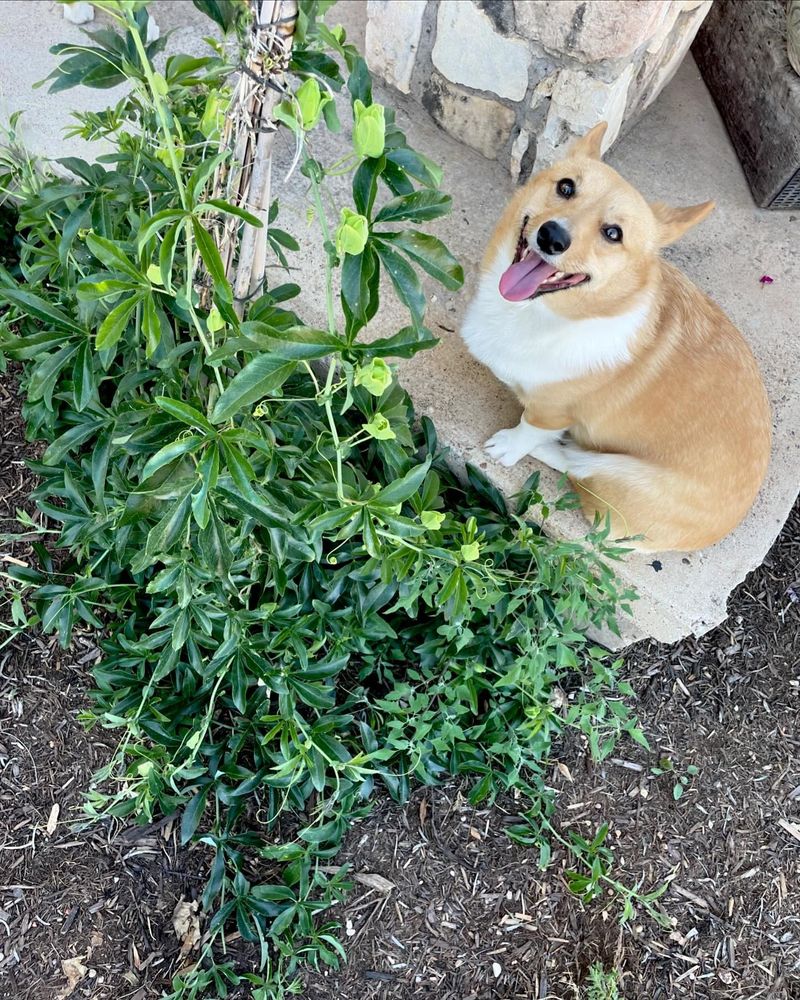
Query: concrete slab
x=678 y=152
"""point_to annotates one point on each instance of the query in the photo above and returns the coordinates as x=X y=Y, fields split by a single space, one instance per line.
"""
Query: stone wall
x=517 y=79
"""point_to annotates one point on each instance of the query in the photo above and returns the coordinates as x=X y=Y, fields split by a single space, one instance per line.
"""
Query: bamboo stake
x=245 y=180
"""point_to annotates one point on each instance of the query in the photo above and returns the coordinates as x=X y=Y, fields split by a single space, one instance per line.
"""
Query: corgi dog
x=632 y=381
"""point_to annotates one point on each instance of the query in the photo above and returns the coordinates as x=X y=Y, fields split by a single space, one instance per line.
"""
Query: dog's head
x=585 y=236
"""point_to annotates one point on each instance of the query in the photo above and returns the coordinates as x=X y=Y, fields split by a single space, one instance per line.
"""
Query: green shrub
x=299 y=602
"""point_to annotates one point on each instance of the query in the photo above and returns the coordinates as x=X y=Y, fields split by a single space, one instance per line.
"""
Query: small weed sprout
x=602 y=985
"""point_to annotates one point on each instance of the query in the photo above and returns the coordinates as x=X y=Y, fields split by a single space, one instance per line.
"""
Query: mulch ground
x=460 y=912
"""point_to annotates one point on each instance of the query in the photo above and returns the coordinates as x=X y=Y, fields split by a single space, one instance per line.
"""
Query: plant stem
x=163 y=120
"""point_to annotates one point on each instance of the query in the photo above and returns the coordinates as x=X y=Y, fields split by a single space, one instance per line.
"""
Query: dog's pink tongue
x=521 y=280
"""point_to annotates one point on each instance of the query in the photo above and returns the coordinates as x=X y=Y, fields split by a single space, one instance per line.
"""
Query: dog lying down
x=632 y=381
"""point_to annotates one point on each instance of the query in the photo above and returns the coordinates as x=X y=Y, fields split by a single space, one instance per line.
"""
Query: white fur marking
x=508 y=446
x=526 y=345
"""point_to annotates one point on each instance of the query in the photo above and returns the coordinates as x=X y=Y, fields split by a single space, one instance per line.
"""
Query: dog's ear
x=674 y=222
x=591 y=144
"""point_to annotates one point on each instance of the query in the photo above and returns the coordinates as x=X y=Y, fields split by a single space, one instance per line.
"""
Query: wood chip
x=691 y=896
x=52 y=819
x=793 y=829
x=375 y=881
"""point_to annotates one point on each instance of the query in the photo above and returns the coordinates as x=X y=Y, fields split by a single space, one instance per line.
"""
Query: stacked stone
x=517 y=79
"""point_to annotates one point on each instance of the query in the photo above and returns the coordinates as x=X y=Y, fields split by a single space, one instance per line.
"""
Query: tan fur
x=691 y=404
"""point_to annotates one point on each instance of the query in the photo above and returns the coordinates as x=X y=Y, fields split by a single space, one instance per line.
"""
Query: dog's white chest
x=525 y=344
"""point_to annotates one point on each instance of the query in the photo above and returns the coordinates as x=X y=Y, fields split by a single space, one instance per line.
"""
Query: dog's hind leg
x=577 y=462
x=632 y=491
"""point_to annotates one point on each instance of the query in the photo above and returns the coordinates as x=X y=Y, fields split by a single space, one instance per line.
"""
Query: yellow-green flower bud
x=375 y=377
x=369 y=129
x=311 y=101
x=352 y=233
x=379 y=428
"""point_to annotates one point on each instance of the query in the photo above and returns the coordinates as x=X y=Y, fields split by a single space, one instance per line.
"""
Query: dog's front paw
x=506 y=447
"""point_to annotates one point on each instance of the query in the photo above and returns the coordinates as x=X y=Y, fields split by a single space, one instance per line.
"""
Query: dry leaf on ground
x=186 y=924
x=74 y=970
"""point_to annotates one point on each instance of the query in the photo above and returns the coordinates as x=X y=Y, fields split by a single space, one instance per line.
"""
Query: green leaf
x=107 y=288
x=359 y=83
x=365 y=184
x=114 y=257
x=331 y=117
x=186 y=414
x=486 y=490
x=43 y=378
x=101 y=453
x=404 y=344
x=77 y=220
x=69 y=441
x=158 y=222
x=83 y=377
x=113 y=326
x=228 y=209
x=208 y=473
x=166 y=255
x=417 y=166
x=431 y=255
x=151 y=325
x=167 y=454
x=405 y=281
x=27 y=347
x=241 y=471
x=226 y=13
x=401 y=489
x=308 y=61
x=260 y=377
x=212 y=260
x=356 y=273
x=282 y=922
x=296 y=343
x=162 y=537
x=201 y=174
x=284 y=239
x=215 y=547
x=193 y=813
x=37 y=307
x=421 y=206
x=260 y=512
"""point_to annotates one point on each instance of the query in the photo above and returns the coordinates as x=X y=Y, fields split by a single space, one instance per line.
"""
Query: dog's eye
x=566 y=187
x=613 y=234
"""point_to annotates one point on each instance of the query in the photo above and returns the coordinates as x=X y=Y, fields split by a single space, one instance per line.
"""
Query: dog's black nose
x=553 y=238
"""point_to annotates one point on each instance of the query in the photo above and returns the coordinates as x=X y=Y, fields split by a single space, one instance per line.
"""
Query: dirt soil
x=462 y=913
